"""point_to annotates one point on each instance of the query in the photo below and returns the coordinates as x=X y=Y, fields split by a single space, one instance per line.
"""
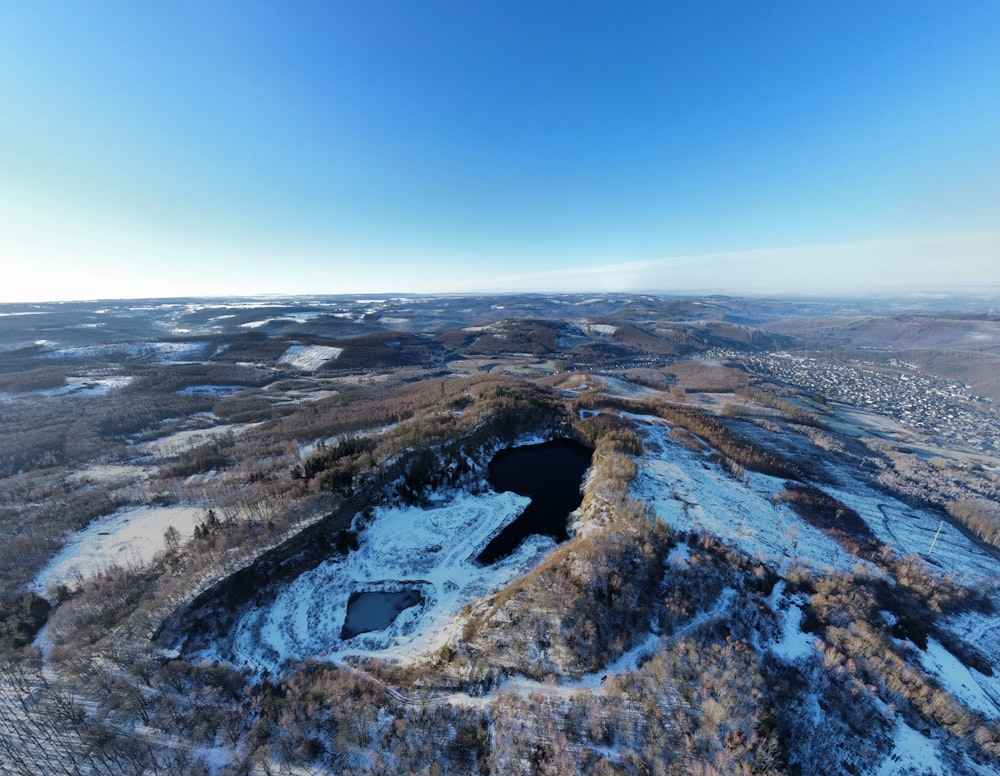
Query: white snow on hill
x=599 y=328
x=309 y=357
x=966 y=684
x=179 y=441
x=690 y=492
x=135 y=351
x=132 y=535
x=431 y=549
x=88 y=386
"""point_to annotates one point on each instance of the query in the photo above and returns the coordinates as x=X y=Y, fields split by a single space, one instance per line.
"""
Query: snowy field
x=128 y=536
x=605 y=329
x=691 y=493
x=302 y=317
x=176 y=443
x=82 y=386
x=211 y=390
x=88 y=386
x=309 y=357
x=135 y=351
x=431 y=550
x=616 y=386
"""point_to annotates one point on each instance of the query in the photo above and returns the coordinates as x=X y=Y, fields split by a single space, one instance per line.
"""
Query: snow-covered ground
x=109 y=474
x=136 y=351
x=309 y=357
x=132 y=535
x=214 y=390
x=690 y=492
x=88 y=386
x=301 y=317
x=966 y=684
x=606 y=329
x=179 y=441
x=910 y=531
x=616 y=386
x=793 y=643
x=430 y=549
x=914 y=753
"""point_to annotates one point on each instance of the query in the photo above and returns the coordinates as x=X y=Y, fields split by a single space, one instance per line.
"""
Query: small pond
x=551 y=474
x=376 y=609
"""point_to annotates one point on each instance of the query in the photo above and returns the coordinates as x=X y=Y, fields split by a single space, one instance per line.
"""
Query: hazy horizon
x=220 y=149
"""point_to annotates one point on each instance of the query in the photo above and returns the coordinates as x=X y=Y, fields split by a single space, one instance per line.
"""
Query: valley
x=266 y=536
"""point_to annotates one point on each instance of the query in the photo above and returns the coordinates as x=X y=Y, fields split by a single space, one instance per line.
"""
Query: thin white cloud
x=949 y=261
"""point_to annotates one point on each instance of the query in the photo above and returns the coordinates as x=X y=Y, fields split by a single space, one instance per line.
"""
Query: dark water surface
x=375 y=610
x=551 y=474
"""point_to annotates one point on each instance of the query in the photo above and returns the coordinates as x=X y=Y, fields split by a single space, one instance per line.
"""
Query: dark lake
x=375 y=610
x=551 y=474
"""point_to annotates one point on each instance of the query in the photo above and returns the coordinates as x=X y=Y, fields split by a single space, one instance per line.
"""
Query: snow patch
x=214 y=390
x=690 y=492
x=794 y=643
x=88 y=386
x=132 y=535
x=309 y=357
x=179 y=441
x=134 y=351
x=913 y=753
x=960 y=681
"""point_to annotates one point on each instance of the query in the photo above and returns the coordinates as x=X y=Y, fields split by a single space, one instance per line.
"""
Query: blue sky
x=203 y=148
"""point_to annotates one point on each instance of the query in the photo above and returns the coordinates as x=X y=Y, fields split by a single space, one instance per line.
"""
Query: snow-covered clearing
x=794 y=643
x=179 y=441
x=690 y=492
x=309 y=357
x=132 y=535
x=616 y=386
x=914 y=753
x=306 y=449
x=429 y=549
x=964 y=683
x=299 y=317
x=258 y=324
x=910 y=531
x=982 y=633
x=134 y=351
x=109 y=474
x=88 y=386
x=214 y=390
x=599 y=328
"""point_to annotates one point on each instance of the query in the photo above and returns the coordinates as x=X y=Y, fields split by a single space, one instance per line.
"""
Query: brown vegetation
x=979 y=516
x=738 y=451
x=832 y=517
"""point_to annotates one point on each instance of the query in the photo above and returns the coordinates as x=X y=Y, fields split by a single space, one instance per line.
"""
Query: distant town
x=944 y=409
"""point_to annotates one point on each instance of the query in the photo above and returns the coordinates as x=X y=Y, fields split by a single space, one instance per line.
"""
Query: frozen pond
x=376 y=610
